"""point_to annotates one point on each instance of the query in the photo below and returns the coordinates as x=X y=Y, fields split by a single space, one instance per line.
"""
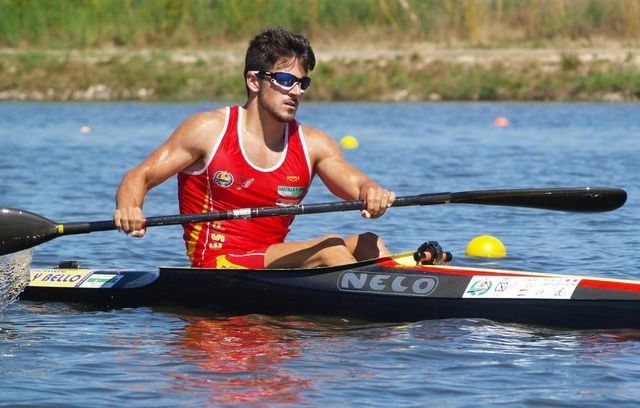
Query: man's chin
x=285 y=116
x=283 y=113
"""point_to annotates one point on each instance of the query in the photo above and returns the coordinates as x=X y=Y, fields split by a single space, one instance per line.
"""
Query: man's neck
x=259 y=125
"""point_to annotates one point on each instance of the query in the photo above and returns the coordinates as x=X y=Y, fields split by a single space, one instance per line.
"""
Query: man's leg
x=367 y=246
x=330 y=250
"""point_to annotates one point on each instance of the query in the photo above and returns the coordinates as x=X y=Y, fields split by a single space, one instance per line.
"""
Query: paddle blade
x=582 y=199
x=21 y=229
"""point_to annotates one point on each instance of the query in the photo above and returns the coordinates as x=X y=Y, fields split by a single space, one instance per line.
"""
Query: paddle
x=21 y=229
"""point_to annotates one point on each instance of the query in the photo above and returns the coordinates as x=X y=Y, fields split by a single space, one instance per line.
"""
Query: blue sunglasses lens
x=288 y=80
x=305 y=83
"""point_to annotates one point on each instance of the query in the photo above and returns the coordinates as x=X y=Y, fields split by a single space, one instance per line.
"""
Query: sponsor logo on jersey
x=223 y=178
x=282 y=202
x=393 y=284
x=293 y=179
x=290 y=191
x=244 y=182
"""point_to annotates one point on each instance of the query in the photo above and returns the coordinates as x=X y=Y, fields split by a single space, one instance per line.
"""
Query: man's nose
x=296 y=89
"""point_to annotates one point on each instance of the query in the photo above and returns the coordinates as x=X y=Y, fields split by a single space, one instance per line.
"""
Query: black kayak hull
x=380 y=290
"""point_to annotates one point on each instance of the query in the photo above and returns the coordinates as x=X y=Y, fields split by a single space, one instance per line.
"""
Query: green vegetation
x=162 y=76
x=206 y=23
x=380 y=50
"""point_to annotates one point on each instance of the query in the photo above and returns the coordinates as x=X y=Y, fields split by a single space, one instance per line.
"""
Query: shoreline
x=375 y=75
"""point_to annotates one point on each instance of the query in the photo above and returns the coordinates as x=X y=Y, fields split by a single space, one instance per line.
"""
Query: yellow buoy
x=486 y=246
x=349 y=142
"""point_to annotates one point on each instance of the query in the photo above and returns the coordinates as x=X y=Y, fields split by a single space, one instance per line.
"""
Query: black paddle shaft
x=561 y=199
x=21 y=229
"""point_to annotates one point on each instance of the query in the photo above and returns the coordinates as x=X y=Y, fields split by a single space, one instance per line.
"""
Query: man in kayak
x=256 y=155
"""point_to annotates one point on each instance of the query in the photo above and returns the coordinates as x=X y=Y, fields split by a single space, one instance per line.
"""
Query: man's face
x=279 y=102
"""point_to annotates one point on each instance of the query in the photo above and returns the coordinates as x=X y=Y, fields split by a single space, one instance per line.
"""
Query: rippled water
x=69 y=355
x=14 y=276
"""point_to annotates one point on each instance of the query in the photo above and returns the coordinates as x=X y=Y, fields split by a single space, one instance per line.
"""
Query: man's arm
x=188 y=146
x=342 y=178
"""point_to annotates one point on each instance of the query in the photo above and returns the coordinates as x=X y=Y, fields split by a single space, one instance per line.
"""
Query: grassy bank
x=363 y=76
x=82 y=24
x=376 y=50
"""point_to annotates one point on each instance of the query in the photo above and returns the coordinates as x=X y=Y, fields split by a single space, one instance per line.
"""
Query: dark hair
x=274 y=44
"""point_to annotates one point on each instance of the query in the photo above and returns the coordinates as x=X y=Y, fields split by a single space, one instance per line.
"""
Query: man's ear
x=253 y=82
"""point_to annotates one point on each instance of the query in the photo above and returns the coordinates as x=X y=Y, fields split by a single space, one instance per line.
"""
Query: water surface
x=70 y=355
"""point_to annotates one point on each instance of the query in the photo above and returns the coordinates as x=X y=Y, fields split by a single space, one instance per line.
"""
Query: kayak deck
x=388 y=289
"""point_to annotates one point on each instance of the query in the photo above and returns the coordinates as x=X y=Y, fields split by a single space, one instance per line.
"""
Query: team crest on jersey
x=223 y=178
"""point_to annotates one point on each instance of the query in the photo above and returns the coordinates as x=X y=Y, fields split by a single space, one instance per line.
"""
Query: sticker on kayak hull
x=388 y=284
x=58 y=278
x=100 y=280
x=514 y=287
x=73 y=278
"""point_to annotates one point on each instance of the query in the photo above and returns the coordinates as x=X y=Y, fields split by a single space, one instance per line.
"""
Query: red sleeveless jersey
x=230 y=181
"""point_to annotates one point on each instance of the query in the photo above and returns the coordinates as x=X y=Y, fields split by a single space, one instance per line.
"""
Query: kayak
x=391 y=289
x=403 y=287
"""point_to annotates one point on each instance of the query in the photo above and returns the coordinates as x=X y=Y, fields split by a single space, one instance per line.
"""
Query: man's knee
x=370 y=238
x=369 y=245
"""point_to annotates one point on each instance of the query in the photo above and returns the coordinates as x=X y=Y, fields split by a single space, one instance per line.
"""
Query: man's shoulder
x=200 y=130
x=215 y=118
x=314 y=135
x=319 y=143
x=205 y=123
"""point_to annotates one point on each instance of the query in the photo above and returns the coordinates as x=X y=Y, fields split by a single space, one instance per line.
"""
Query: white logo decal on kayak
x=101 y=280
x=391 y=284
x=514 y=287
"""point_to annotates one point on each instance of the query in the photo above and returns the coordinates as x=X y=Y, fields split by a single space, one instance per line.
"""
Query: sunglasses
x=285 y=80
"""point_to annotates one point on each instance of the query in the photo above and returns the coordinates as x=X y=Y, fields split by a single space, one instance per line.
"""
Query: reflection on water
x=257 y=359
x=14 y=275
x=244 y=354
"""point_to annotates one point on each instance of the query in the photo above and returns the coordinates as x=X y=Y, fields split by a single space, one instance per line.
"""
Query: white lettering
x=396 y=285
x=378 y=282
x=423 y=285
x=242 y=213
x=352 y=281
